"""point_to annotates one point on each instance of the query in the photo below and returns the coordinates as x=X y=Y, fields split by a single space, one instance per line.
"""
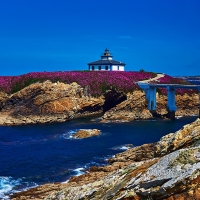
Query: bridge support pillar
x=152 y=99
x=171 y=102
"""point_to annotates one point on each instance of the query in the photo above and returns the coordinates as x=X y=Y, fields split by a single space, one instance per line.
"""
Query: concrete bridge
x=150 y=91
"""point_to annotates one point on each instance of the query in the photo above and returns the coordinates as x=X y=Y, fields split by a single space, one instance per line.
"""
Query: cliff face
x=135 y=107
x=56 y=102
x=168 y=169
x=47 y=102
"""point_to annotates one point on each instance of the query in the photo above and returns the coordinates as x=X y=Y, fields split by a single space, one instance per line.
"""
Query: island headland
x=46 y=101
x=168 y=169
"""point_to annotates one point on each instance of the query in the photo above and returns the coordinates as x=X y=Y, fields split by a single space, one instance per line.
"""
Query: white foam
x=79 y=171
x=123 y=147
x=68 y=135
x=6 y=186
x=178 y=117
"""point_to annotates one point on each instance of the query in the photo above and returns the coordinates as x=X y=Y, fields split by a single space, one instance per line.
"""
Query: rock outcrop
x=187 y=105
x=135 y=107
x=86 y=133
x=48 y=102
x=57 y=102
x=3 y=98
x=168 y=169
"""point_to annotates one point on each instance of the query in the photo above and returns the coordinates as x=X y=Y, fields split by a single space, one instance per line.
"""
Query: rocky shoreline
x=168 y=169
x=49 y=102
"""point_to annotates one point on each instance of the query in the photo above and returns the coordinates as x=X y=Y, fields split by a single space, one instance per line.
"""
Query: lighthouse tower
x=106 y=55
x=106 y=63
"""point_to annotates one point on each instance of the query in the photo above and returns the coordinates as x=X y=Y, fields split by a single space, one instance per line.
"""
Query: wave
x=123 y=147
x=9 y=185
x=6 y=186
x=79 y=171
x=68 y=135
x=97 y=161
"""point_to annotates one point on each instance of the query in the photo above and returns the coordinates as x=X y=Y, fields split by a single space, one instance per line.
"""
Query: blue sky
x=61 y=35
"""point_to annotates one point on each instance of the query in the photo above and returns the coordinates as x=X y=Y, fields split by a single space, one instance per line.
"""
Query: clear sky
x=61 y=35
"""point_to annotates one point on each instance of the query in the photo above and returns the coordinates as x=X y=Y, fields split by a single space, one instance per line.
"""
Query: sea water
x=32 y=155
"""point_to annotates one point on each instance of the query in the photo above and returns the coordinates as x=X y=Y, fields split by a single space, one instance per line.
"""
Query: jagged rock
x=48 y=102
x=56 y=102
x=3 y=98
x=173 y=176
x=187 y=105
x=151 y=171
x=153 y=179
x=85 y=133
x=189 y=135
x=135 y=107
x=136 y=154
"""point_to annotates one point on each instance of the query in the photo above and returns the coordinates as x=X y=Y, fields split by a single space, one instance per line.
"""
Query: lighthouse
x=106 y=63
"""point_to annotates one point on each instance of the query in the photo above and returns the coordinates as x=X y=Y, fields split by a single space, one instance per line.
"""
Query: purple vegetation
x=96 y=81
x=170 y=80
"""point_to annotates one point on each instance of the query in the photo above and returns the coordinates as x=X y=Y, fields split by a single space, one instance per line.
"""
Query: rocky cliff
x=168 y=169
x=135 y=107
x=47 y=102
x=57 y=102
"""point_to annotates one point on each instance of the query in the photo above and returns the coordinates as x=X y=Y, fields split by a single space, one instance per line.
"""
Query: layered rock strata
x=168 y=172
x=135 y=107
x=57 y=102
x=168 y=169
x=47 y=102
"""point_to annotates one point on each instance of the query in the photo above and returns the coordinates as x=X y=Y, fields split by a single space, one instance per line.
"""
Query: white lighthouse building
x=106 y=63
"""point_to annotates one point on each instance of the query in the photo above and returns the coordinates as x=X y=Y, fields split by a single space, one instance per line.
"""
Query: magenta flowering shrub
x=97 y=82
x=171 y=80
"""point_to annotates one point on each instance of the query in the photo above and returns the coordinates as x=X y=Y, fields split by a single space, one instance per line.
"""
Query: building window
x=92 y=67
x=118 y=68
x=106 y=67
x=99 y=67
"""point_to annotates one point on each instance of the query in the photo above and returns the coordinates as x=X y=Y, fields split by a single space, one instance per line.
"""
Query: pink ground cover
x=97 y=82
x=170 y=80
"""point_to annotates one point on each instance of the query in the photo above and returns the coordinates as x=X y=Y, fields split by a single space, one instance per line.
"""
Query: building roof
x=106 y=62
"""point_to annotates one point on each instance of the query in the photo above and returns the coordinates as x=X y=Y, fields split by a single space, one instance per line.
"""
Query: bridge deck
x=174 y=86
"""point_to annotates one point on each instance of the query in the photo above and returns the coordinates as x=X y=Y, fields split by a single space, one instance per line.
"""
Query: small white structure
x=106 y=63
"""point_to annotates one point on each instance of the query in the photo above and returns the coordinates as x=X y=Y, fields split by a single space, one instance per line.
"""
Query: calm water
x=36 y=154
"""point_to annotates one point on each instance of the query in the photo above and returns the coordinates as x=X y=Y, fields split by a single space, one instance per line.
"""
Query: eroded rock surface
x=162 y=173
x=85 y=133
x=189 y=135
x=135 y=107
x=48 y=102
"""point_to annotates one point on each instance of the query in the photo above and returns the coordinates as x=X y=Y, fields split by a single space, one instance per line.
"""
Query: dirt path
x=152 y=79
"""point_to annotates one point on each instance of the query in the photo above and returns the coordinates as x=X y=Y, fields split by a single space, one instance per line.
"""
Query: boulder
x=86 y=133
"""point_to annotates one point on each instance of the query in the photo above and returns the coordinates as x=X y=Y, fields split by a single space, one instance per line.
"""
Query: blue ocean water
x=36 y=154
